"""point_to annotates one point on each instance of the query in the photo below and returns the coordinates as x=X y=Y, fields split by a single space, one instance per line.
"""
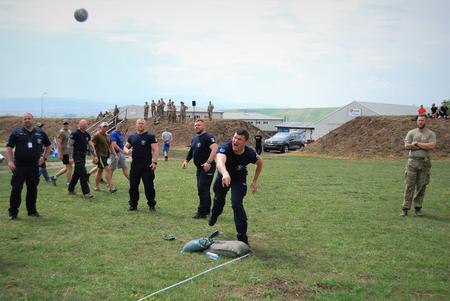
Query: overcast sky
x=236 y=53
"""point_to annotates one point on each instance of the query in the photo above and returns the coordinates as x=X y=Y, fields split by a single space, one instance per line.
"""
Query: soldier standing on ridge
x=210 y=110
x=419 y=141
x=153 y=108
x=183 y=109
x=28 y=142
x=146 y=106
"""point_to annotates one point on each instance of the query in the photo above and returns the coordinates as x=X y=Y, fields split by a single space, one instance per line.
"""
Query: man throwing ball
x=232 y=160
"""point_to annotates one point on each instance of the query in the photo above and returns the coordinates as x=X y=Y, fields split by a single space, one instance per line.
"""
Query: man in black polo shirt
x=203 y=150
x=28 y=142
x=79 y=142
x=144 y=160
x=232 y=160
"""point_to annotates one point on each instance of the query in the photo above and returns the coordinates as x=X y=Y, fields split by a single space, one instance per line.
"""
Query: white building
x=359 y=108
x=261 y=121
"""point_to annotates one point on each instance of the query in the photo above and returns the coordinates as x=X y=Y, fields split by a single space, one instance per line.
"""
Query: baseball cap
x=103 y=124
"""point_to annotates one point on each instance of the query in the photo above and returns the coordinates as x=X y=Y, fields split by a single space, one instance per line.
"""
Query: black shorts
x=65 y=159
x=102 y=162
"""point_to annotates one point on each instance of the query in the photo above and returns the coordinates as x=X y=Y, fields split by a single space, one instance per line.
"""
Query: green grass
x=320 y=229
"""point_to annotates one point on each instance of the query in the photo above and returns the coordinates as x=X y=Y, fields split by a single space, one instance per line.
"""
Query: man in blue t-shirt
x=117 y=156
x=28 y=143
x=203 y=150
x=143 y=164
x=232 y=160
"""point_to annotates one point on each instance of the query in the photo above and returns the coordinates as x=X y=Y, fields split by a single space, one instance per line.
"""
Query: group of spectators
x=435 y=112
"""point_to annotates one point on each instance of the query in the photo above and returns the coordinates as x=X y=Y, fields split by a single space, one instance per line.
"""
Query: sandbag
x=229 y=248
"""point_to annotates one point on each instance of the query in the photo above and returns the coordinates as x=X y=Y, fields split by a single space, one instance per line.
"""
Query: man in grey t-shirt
x=419 y=141
x=167 y=138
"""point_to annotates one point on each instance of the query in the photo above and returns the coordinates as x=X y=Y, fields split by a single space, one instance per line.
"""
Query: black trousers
x=79 y=173
x=28 y=174
x=258 y=149
x=204 y=180
x=142 y=171
x=238 y=192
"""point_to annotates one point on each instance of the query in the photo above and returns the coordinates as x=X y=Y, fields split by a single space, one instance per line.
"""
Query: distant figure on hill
x=443 y=111
x=116 y=114
x=146 y=107
x=421 y=111
x=419 y=141
x=210 y=110
x=183 y=109
x=434 y=111
x=153 y=108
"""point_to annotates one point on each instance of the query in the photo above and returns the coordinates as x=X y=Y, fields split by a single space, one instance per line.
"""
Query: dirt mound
x=222 y=129
x=378 y=137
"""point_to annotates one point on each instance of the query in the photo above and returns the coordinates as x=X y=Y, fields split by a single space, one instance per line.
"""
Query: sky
x=238 y=54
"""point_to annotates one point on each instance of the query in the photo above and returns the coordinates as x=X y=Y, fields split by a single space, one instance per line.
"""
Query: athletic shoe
x=132 y=208
x=212 y=220
x=12 y=217
x=88 y=196
x=151 y=208
x=113 y=189
x=53 y=179
x=199 y=216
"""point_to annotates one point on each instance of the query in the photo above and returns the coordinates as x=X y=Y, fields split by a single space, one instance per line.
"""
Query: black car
x=284 y=141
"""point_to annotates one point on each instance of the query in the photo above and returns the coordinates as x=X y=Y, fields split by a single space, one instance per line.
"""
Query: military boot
x=404 y=213
x=418 y=211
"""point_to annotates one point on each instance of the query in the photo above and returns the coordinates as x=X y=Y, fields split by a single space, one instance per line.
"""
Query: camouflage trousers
x=417 y=177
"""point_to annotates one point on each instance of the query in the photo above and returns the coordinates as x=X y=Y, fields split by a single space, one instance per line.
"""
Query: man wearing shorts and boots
x=63 y=154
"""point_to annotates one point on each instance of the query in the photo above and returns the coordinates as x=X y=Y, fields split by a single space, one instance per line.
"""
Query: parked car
x=284 y=141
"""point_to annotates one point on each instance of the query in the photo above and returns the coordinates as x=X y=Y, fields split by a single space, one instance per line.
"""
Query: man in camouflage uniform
x=153 y=108
x=210 y=110
x=146 y=106
x=419 y=141
x=183 y=109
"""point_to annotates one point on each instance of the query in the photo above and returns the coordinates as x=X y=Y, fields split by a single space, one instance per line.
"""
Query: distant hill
x=302 y=115
x=53 y=107
x=378 y=137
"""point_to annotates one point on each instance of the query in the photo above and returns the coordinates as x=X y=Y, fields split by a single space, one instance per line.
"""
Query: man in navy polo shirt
x=232 y=160
x=144 y=161
x=28 y=142
x=203 y=150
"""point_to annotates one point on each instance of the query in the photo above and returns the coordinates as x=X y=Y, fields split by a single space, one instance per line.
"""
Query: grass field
x=320 y=229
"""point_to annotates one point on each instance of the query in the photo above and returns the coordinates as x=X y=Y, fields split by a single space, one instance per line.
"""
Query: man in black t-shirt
x=232 y=160
x=28 y=142
x=203 y=150
x=258 y=143
x=79 y=142
x=143 y=164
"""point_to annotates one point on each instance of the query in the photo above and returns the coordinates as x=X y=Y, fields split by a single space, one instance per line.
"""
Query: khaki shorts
x=115 y=164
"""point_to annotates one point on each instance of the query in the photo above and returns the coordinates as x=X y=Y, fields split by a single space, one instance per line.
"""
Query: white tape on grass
x=193 y=277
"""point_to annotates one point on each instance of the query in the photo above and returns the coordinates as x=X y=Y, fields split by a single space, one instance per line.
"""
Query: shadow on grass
x=438 y=218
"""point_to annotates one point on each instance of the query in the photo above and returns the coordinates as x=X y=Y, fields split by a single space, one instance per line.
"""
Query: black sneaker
x=212 y=220
x=34 y=214
x=199 y=216
x=12 y=217
x=53 y=179
x=113 y=189
x=132 y=208
x=152 y=208
x=243 y=238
